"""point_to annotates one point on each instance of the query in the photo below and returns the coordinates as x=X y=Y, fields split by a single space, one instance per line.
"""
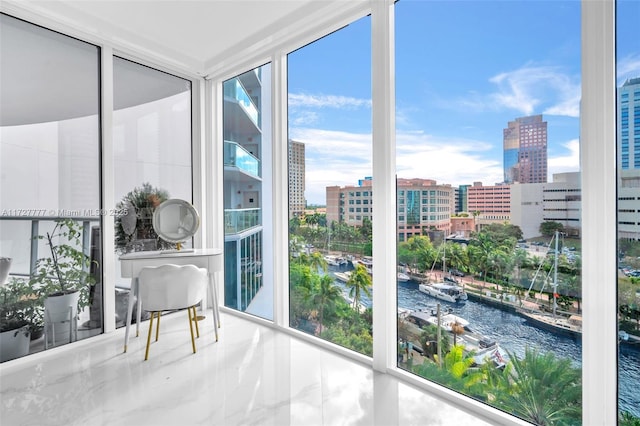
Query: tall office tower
x=462 y=204
x=525 y=150
x=629 y=159
x=297 y=202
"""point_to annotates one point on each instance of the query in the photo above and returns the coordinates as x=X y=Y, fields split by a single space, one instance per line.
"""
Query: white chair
x=171 y=287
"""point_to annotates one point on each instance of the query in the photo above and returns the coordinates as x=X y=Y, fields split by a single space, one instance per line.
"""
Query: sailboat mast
x=555 y=274
x=444 y=258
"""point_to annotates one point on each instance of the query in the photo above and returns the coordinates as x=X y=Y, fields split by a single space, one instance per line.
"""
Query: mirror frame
x=190 y=210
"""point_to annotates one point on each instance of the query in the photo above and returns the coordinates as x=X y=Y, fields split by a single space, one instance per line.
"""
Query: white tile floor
x=254 y=375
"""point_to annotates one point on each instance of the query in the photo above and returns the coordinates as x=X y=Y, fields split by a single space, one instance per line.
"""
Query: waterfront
x=514 y=334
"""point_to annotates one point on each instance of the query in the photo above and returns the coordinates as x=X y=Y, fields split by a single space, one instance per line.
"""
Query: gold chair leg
x=195 y=319
x=146 y=353
x=158 y=326
x=193 y=341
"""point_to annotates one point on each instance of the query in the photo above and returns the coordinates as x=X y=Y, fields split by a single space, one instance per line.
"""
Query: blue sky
x=463 y=70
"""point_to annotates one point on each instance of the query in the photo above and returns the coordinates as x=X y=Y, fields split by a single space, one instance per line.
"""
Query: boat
x=402 y=277
x=482 y=348
x=367 y=262
x=568 y=325
x=335 y=260
x=343 y=276
x=449 y=292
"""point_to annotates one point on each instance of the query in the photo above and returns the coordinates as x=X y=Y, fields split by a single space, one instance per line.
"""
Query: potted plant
x=21 y=318
x=63 y=279
x=134 y=227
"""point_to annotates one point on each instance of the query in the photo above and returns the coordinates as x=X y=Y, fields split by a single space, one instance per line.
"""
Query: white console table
x=132 y=264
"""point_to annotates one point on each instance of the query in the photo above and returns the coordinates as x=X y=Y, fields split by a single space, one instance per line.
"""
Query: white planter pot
x=14 y=343
x=5 y=266
x=61 y=319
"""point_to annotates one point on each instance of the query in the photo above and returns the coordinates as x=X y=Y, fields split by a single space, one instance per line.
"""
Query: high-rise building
x=422 y=205
x=629 y=159
x=489 y=204
x=461 y=204
x=245 y=144
x=297 y=201
x=525 y=150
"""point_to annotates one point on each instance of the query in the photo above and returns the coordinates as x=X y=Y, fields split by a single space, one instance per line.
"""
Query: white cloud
x=533 y=88
x=326 y=101
x=628 y=67
x=342 y=158
x=569 y=161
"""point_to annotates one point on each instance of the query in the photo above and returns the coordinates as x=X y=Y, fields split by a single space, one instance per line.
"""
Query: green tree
x=428 y=339
x=544 y=390
x=503 y=233
x=326 y=293
x=549 y=228
x=359 y=283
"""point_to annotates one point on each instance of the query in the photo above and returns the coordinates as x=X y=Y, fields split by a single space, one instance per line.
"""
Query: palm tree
x=327 y=293
x=544 y=390
x=317 y=262
x=475 y=214
x=359 y=283
x=428 y=337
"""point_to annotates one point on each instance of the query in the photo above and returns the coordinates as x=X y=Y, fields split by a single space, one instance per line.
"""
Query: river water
x=515 y=334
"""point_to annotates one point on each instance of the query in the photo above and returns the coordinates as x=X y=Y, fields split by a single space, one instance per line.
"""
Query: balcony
x=236 y=156
x=239 y=220
x=234 y=90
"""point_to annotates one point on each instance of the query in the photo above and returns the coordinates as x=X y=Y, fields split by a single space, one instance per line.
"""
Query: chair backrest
x=171 y=286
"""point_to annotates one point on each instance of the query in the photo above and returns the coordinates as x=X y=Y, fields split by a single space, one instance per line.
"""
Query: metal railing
x=238 y=220
x=236 y=156
x=35 y=222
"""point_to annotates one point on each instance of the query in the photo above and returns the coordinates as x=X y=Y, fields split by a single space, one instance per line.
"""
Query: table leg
x=215 y=293
x=132 y=292
x=139 y=309
x=214 y=303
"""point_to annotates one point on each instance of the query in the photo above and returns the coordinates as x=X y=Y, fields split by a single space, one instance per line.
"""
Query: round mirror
x=175 y=220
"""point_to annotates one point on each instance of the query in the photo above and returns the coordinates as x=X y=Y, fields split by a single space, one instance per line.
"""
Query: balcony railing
x=234 y=89
x=238 y=220
x=25 y=230
x=236 y=156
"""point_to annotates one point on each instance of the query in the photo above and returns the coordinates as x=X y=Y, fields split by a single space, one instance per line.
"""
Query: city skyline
x=449 y=117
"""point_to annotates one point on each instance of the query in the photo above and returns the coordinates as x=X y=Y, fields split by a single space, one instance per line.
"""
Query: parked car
x=456 y=273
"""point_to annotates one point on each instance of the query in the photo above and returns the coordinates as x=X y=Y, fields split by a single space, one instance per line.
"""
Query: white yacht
x=448 y=292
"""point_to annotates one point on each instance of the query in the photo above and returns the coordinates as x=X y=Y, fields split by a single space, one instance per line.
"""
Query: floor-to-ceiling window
x=152 y=157
x=247 y=192
x=628 y=180
x=49 y=189
x=488 y=106
x=330 y=187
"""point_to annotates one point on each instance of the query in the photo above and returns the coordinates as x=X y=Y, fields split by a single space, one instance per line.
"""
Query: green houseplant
x=63 y=279
x=21 y=318
x=134 y=228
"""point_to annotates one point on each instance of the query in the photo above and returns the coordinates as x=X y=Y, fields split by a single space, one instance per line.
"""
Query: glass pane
x=247 y=192
x=49 y=155
x=330 y=192
x=152 y=157
x=628 y=150
x=489 y=216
